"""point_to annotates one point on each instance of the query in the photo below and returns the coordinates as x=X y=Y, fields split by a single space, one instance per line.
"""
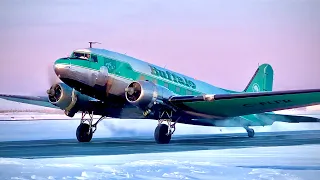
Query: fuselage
x=105 y=74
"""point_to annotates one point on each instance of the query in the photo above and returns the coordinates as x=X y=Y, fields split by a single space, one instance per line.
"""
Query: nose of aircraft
x=61 y=67
x=71 y=74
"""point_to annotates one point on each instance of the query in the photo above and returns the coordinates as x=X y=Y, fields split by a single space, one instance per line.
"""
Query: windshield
x=80 y=55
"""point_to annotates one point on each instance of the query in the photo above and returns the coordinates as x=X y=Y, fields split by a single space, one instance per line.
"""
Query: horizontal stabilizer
x=239 y=104
x=289 y=118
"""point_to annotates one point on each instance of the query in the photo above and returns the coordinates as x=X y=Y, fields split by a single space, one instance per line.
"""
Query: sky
x=218 y=41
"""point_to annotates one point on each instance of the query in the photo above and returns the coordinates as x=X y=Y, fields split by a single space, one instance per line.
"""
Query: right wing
x=34 y=100
x=240 y=104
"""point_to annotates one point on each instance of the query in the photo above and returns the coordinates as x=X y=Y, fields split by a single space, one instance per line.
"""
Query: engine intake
x=67 y=98
x=144 y=94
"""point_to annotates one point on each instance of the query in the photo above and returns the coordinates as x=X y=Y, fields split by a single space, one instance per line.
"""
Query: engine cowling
x=144 y=94
x=67 y=98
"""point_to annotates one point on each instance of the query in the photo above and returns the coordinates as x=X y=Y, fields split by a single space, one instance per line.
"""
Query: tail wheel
x=250 y=133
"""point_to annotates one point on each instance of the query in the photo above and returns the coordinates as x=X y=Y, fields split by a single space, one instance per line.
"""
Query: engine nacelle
x=144 y=94
x=67 y=98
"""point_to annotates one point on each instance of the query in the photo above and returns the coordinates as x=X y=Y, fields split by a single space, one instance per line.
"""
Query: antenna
x=91 y=42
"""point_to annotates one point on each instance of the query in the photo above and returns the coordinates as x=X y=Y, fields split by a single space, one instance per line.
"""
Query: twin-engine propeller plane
x=109 y=84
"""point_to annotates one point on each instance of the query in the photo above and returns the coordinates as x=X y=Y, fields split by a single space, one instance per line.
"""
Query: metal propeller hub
x=54 y=93
x=133 y=91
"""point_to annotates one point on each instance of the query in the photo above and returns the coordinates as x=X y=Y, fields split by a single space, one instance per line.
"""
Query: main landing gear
x=85 y=130
x=163 y=132
x=250 y=132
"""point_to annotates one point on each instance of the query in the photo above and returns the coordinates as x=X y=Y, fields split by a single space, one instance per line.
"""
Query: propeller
x=55 y=90
x=49 y=78
x=54 y=93
x=133 y=91
x=52 y=77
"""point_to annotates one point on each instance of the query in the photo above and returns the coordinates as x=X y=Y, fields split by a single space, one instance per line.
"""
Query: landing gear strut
x=163 y=132
x=85 y=130
x=250 y=132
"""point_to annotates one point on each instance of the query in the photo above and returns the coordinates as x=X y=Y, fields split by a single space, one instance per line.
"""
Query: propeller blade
x=52 y=77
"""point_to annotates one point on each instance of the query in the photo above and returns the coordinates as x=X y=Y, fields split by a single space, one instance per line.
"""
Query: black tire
x=250 y=133
x=160 y=134
x=82 y=133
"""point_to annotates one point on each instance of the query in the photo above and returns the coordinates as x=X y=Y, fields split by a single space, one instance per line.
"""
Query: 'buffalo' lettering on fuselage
x=172 y=77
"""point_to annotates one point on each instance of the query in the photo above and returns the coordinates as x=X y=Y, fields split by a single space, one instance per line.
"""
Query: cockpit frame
x=83 y=54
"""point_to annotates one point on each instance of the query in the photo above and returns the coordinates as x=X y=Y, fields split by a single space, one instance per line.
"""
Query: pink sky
x=220 y=42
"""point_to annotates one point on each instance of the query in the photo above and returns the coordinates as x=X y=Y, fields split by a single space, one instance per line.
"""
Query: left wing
x=34 y=100
x=240 y=104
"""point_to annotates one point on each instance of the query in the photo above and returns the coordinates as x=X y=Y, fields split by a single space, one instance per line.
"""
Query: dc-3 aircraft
x=109 y=84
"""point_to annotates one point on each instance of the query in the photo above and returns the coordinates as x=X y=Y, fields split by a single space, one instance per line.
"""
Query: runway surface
x=48 y=149
x=132 y=145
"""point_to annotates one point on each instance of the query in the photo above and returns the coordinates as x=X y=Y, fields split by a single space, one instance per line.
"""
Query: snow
x=285 y=162
x=249 y=163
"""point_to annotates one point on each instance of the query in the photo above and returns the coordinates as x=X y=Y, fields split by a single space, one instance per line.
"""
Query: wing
x=239 y=104
x=34 y=100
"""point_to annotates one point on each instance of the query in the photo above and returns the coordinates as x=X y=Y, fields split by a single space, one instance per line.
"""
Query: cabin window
x=188 y=92
x=166 y=85
x=94 y=58
x=177 y=89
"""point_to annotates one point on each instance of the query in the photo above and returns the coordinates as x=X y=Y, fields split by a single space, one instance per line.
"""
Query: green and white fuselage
x=127 y=69
x=119 y=70
x=110 y=84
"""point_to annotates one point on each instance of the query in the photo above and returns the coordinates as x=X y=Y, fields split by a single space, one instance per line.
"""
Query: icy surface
x=295 y=162
x=285 y=162
x=58 y=126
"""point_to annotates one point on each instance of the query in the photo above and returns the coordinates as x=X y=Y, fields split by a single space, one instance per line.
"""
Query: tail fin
x=262 y=79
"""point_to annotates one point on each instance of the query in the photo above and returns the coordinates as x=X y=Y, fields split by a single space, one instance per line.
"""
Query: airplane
x=109 y=84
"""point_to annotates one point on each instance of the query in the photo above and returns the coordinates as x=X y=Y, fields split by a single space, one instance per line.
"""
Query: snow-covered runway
x=49 y=150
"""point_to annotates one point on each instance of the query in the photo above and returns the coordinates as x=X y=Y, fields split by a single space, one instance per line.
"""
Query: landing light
x=209 y=97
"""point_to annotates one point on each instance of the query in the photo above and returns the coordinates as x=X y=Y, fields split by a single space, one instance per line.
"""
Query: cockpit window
x=84 y=56
x=81 y=55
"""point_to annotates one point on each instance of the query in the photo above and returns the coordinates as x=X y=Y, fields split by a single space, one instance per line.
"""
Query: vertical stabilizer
x=262 y=79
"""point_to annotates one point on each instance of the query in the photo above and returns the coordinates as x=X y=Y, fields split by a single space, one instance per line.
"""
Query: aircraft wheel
x=250 y=132
x=160 y=134
x=84 y=133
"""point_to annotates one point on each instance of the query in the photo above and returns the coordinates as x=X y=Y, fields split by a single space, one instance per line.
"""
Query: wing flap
x=239 y=104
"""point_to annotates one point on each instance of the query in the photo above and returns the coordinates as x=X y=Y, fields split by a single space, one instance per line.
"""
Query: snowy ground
x=294 y=162
x=202 y=157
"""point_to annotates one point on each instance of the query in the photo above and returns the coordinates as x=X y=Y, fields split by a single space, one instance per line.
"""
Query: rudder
x=262 y=80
